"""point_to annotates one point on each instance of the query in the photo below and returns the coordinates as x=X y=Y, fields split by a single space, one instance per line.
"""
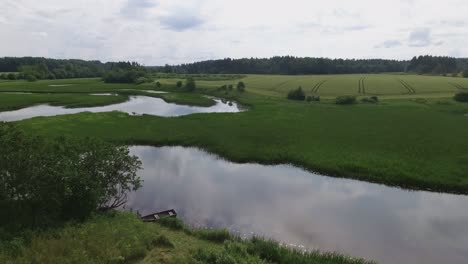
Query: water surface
x=137 y=105
x=297 y=207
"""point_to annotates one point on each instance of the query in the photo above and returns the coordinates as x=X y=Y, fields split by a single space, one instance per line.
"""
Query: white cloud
x=156 y=32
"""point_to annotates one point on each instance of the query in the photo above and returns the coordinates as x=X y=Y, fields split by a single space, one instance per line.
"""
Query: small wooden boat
x=156 y=216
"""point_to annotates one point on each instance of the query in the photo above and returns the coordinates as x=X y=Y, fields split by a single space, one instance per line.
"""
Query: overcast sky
x=155 y=32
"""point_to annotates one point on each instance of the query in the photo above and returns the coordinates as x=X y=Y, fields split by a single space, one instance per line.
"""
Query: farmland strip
x=320 y=85
x=407 y=86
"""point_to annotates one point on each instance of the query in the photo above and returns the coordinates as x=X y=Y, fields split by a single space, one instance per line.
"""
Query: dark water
x=300 y=208
x=137 y=105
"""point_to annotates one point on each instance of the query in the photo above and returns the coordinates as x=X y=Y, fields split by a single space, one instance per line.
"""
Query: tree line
x=289 y=65
x=33 y=68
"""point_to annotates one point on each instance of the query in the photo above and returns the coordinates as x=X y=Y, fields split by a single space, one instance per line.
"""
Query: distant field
x=385 y=85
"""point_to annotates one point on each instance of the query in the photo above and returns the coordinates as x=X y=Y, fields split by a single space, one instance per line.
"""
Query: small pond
x=304 y=209
x=137 y=105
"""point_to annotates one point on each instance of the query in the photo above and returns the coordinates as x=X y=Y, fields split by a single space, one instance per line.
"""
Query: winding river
x=304 y=209
x=137 y=105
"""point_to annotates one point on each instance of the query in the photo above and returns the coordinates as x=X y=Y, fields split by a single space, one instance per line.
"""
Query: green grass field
x=122 y=238
x=415 y=140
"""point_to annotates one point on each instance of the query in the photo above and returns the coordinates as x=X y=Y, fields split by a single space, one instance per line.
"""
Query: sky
x=156 y=32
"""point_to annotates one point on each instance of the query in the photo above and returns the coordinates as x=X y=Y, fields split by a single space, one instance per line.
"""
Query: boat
x=159 y=215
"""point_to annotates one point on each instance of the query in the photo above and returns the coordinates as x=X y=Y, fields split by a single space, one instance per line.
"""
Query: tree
x=297 y=94
x=158 y=85
x=179 y=84
x=43 y=182
x=190 y=84
x=241 y=86
x=465 y=73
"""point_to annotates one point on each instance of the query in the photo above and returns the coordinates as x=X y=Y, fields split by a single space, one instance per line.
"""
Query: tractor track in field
x=407 y=86
x=458 y=86
x=362 y=87
x=317 y=86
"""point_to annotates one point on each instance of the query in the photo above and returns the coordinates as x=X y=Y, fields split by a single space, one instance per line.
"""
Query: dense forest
x=44 y=68
x=287 y=65
x=294 y=65
x=34 y=68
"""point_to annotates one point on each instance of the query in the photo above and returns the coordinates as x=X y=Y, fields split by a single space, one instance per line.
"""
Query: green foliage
x=230 y=87
x=313 y=98
x=172 y=223
x=272 y=252
x=371 y=100
x=190 y=85
x=241 y=86
x=11 y=76
x=179 y=84
x=215 y=235
x=162 y=241
x=125 y=72
x=297 y=94
x=44 y=182
x=142 y=80
x=158 y=85
x=465 y=73
x=31 y=78
x=461 y=97
x=345 y=100
x=110 y=238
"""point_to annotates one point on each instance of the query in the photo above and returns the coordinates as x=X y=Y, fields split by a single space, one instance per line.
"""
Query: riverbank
x=122 y=238
x=398 y=143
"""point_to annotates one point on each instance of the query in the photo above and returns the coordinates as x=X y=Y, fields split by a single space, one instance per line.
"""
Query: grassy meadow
x=411 y=139
x=122 y=238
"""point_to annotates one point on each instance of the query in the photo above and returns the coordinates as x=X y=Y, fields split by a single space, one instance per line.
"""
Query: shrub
x=230 y=87
x=241 y=86
x=372 y=100
x=11 y=76
x=158 y=85
x=141 y=80
x=31 y=78
x=461 y=97
x=313 y=98
x=190 y=85
x=296 y=94
x=345 y=100
x=76 y=178
x=179 y=84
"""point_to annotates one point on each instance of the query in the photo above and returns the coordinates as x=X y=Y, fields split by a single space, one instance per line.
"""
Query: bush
x=461 y=97
x=372 y=100
x=158 y=85
x=297 y=94
x=31 y=78
x=141 y=80
x=11 y=76
x=74 y=179
x=190 y=84
x=345 y=100
x=179 y=84
x=230 y=87
x=241 y=86
x=313 y=98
